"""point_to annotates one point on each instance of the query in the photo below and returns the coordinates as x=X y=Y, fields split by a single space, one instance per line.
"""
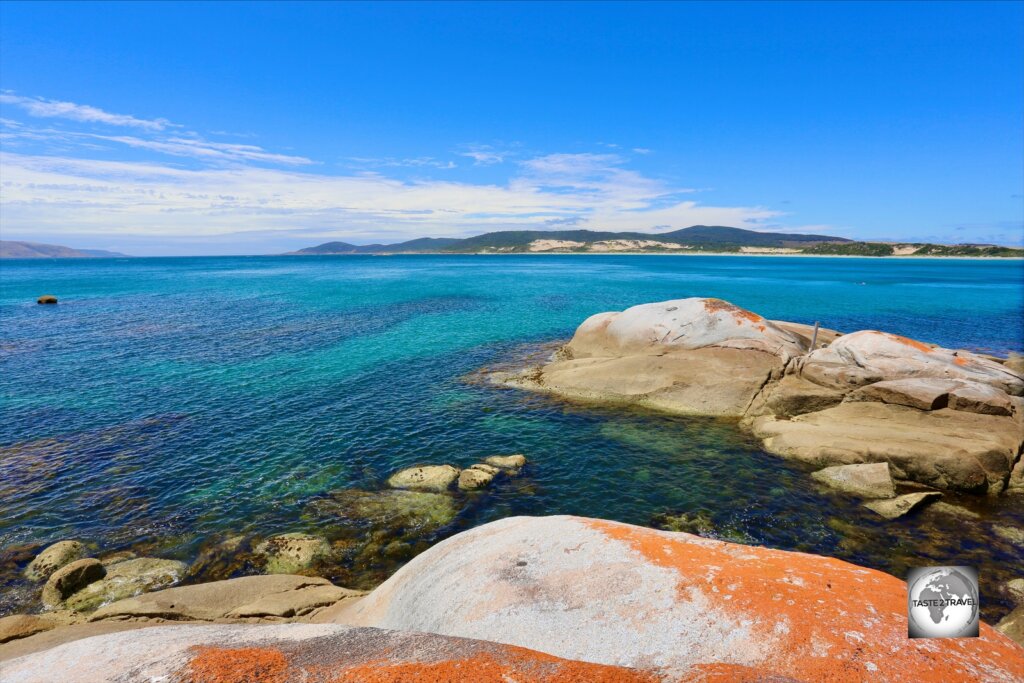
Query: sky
x=205 y=128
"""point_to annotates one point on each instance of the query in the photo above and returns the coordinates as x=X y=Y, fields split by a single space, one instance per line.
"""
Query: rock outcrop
x=540 y=599
x=944 y=418
x=311 y=653
x=47 y=299
x=622 y=595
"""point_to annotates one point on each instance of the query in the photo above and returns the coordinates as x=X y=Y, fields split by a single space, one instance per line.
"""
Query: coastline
x=673 y=253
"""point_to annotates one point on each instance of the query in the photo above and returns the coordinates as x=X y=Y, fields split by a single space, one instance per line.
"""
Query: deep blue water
x=166 y=402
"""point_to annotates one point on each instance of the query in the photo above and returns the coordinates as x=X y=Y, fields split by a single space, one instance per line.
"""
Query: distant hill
x=695 y=238
x=15 y=249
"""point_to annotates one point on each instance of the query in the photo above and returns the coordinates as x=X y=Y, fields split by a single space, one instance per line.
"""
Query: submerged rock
x=414 y=511
x=426 y=478
x=127 y=579
x=472 y=479
x=698 y=523
x=902 y=505
x=53 y=558
x=613 y=593
x=290 y=553
x=953 y=510
x=870 y=480
x=506 y=462
x=1012 y=534
x=70 y=578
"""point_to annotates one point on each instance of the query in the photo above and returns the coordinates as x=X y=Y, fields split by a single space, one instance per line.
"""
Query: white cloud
x=392 y=162
x=52 y=183
x=37 y=106
x=64 y=195
x=485 y=155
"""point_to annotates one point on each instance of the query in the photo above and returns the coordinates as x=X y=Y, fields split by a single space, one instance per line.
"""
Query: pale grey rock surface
x=870 y=480
x=435 y=478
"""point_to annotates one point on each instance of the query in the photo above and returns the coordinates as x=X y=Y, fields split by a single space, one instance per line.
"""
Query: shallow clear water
x=168 y=403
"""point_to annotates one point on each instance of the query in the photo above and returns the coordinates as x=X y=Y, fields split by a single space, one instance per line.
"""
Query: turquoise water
x=165 y=404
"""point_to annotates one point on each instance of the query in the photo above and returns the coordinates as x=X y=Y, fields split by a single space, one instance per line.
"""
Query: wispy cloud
x=485 y=155
x=55 y=109
x=182 y=145
x=56 y=195
x=62 y=180
x=392 y=162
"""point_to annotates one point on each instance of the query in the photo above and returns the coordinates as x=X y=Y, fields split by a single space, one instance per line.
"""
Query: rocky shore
x=939 y=418
x=899 y=424
x=532 y=599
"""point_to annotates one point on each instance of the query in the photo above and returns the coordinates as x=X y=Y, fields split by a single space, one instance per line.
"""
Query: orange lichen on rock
x=236 y=665
x=716 y=305
x=826 y=619
x=517 y=664
x=920 y=346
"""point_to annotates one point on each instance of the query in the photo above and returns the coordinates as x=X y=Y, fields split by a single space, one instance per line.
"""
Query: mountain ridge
x=19 y=249
x=696 y=238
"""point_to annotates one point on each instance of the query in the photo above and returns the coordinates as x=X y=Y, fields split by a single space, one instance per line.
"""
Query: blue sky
x=254 y=128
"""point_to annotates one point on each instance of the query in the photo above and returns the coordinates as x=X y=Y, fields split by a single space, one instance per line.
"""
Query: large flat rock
x=310 y=653
x=945 y=449
x=708 y=381
x=622 y=595
x=278 y=595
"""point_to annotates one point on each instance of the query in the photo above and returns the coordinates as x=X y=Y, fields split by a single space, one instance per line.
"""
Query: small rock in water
x=869 y=480
x=53 y=558
x=901 y=505
x=698 y=523
x=472 y=479
x=1010 y=533
x=425 y=478
x=1015 y=589
x=127 y=579
x=954 y=510
x=71 y=578
x=506 y=462
x=47 y=299
x=290 y=553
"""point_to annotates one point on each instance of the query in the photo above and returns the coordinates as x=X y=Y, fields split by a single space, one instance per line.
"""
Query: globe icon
x=943 y=603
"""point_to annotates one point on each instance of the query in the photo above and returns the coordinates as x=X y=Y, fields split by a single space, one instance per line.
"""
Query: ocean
x=168 y=404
